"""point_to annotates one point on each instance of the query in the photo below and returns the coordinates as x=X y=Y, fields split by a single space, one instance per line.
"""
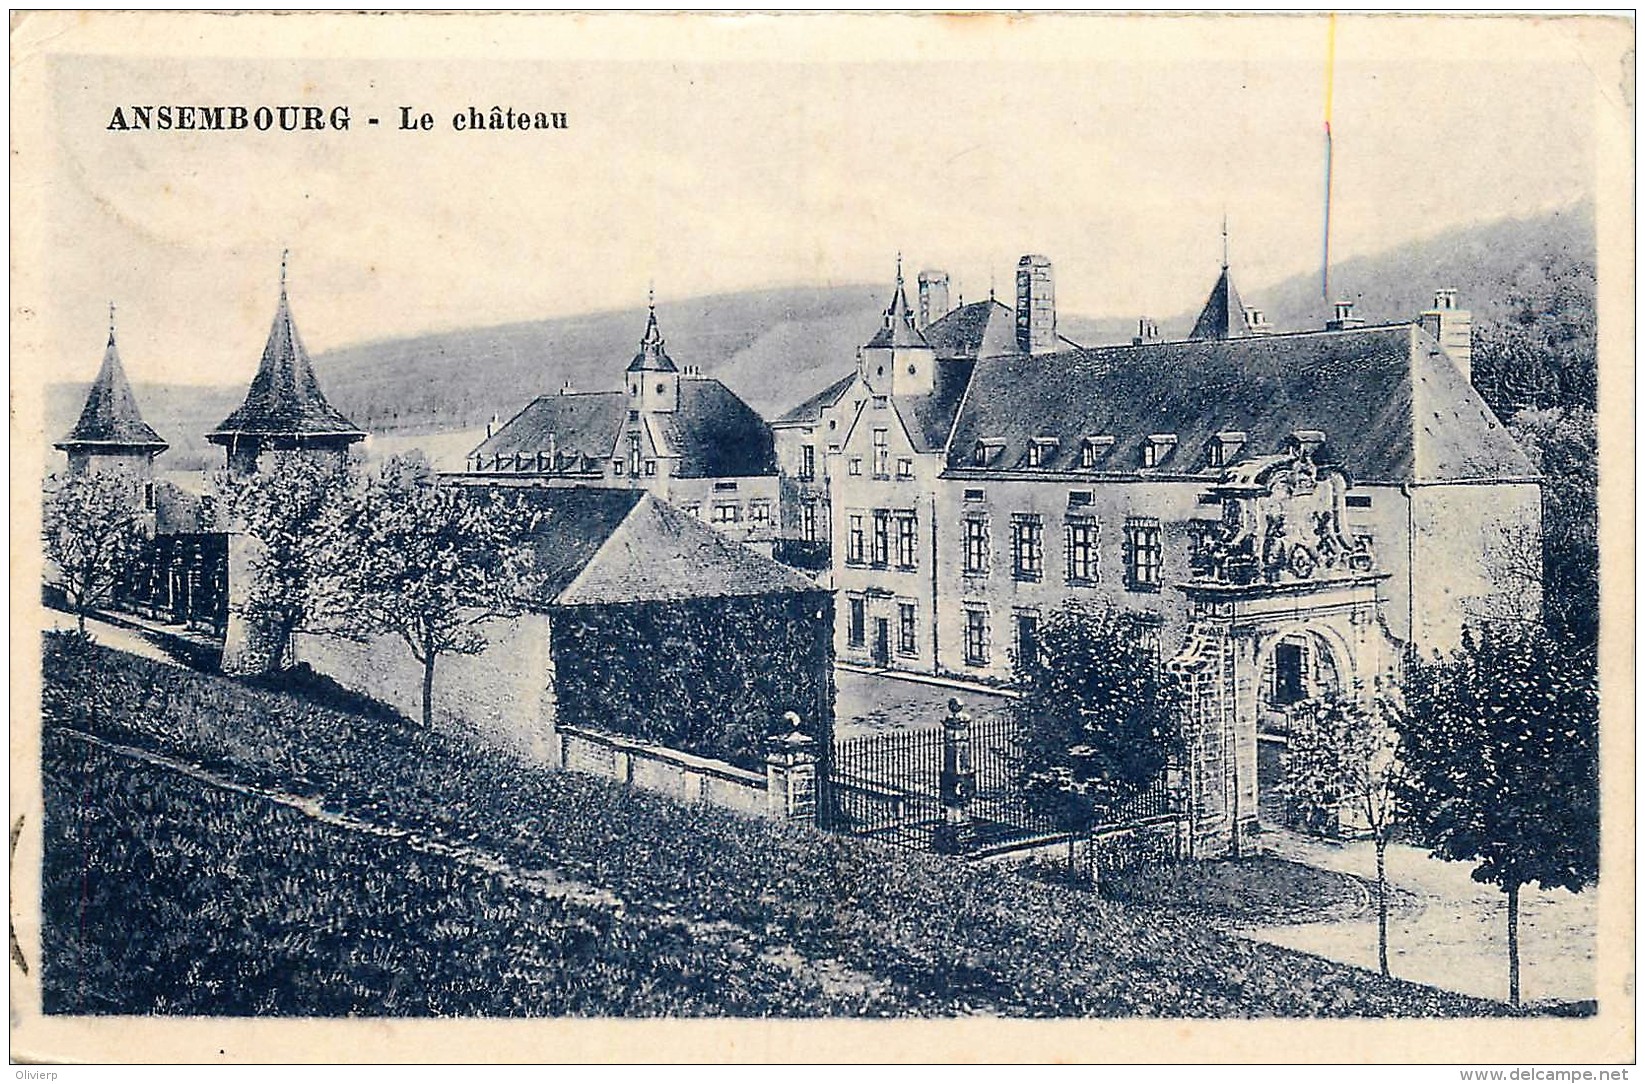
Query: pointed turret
x=898 y=360
x=1223 y=316
x=111 y=431
x=897 y=329
x=653 y=378
x=284 y=408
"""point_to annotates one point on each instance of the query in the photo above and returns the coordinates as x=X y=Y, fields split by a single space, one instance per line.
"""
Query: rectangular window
x=882 y=454
x=881 y=553
x=1082 y=551
x=854 y=465
x=1027 y=547
x=906 y=644
x=853 y=539
x=1358 y=500
x=728 y=513
x=976 y=637
x=976 y=545
x=650 y=468
x=808 y=462
x=634 y=453
x=905 y=468
x=693 y=510
x=759 y=513
x=808 y=521
x=725 y=487
x=906 y=539
x=973 y=495
x=859 y=622
x=617 y=467
x=1144 y=554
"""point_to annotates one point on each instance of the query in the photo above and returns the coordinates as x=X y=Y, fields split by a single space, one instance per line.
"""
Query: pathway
x=1453 y=933
x=131 y=641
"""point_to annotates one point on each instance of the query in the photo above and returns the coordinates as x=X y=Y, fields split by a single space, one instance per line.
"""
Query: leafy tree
x=94 y=526
x=428 y=563
x=1342 y=762
x=1502 y=766
x=1563 y=445
x=1099 y=714
x=294 y=507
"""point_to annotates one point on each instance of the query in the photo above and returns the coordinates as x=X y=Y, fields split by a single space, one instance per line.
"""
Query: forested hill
x=776 y=347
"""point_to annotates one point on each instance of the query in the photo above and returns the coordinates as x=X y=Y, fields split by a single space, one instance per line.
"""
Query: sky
x=729 y=154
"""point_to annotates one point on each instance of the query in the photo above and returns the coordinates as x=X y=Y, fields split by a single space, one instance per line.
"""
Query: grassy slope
x=911 y=933
x=776 y=347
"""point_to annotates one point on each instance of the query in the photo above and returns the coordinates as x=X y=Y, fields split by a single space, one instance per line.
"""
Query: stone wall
x=503 y=695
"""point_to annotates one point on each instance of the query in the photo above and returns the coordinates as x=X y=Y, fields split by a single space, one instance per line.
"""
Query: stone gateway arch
x=1285 y=610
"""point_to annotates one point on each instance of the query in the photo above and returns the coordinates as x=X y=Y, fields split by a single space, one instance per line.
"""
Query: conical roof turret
x=284 y=399
x=110 y=420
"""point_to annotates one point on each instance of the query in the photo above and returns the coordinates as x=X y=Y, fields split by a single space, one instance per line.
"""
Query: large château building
x=1285 y=512
x=676 y=434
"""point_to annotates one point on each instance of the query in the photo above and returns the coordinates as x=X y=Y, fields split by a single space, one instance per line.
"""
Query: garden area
x=550 y=892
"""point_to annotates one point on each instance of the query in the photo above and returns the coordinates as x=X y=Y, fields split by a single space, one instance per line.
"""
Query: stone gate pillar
x=956 y=782
x=791 y=773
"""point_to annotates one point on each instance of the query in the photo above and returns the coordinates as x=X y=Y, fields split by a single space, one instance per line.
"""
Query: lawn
x=781 y=919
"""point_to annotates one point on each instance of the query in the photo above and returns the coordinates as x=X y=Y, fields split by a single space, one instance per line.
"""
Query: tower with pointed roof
x=284 y=410
x=111 y=434
x=653 y=380
x=1224 y=315
x=898 y=360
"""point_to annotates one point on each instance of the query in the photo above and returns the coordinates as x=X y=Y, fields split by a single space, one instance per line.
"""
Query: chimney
x=1147 y=331
x=565 y=388
x=1453 y=327
x=1256 y=323
x=490 y=426
x=1345 y=318
x=1036 y=306
x=933 y=297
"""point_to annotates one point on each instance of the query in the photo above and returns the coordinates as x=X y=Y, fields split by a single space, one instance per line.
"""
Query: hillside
x=777 y=347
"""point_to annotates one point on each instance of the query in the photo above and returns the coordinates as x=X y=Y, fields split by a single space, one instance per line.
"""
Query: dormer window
x=1224 y=448
x=1093 y=449
x=1041 y=450
x=985 y=450
x=1157 y=448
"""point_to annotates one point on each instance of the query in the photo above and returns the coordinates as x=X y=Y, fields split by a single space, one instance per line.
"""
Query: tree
x=1342 y=761
x=1563 y=446
x=1502 y=767
x=294 y=508
x=428 y=563
x=94 y=528
x=1099 y=714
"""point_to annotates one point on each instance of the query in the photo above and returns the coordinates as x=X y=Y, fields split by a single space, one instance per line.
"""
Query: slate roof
x=598 y=546
x=713 y=432
x=929 y=418
x=980 y=329
x=1223 y=316
x=1392 y=404
x=583 y=424
x=110 y=419
x=658 y=553
x=811 y=410
x=285 y=397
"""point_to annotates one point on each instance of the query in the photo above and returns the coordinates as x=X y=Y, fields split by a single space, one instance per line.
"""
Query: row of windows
x=905 y=468
x=1144 y=552
x=907 y=634
x=979 y=637
x=1220 y=451
x=759 y=512
x=869 y=538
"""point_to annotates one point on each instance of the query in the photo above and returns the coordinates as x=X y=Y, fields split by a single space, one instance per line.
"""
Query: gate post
x=791 y=773
x=956 y=783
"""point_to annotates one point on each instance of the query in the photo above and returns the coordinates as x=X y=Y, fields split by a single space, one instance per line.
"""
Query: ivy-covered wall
x=710 y=676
